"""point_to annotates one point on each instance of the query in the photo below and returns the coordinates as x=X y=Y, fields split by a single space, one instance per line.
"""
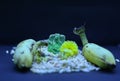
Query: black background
x=23 y=19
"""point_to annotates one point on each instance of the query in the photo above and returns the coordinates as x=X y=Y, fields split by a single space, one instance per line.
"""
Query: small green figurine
x=54 y=42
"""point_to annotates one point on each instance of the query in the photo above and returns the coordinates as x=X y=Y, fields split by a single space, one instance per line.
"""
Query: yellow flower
x=69 y=49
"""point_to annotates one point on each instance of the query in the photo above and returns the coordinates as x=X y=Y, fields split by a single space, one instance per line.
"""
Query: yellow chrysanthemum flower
x=68 y=49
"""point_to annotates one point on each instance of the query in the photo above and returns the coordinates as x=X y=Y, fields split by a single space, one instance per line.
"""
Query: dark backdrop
x=25 y=19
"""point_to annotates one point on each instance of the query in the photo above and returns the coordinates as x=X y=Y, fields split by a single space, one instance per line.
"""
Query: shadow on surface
x=108 y=71
x=22 y=70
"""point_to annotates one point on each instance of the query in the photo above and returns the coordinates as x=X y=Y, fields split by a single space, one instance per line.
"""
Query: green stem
x=81 y=32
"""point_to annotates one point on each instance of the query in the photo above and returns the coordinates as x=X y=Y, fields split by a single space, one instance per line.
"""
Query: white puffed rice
x=12 y=51
x=55 y=64
x=117 y=60
x=7 y=51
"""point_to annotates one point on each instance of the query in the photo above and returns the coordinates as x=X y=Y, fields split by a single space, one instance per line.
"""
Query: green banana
x=95 y=53
x=22 y=56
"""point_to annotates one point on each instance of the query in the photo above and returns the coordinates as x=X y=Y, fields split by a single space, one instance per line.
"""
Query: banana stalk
x=95 y=53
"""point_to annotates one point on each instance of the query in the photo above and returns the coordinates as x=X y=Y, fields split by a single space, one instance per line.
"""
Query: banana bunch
x=95 y=53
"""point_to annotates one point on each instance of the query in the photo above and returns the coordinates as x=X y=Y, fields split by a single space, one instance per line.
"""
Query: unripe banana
x=99 y=56
x=95 y=53
x=23 y=56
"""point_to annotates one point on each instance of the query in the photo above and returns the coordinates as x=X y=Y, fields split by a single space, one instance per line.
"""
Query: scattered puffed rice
x=12 y=51
x=55 y=64
x=117 y=60
x=12 y=59
x=7 y=51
